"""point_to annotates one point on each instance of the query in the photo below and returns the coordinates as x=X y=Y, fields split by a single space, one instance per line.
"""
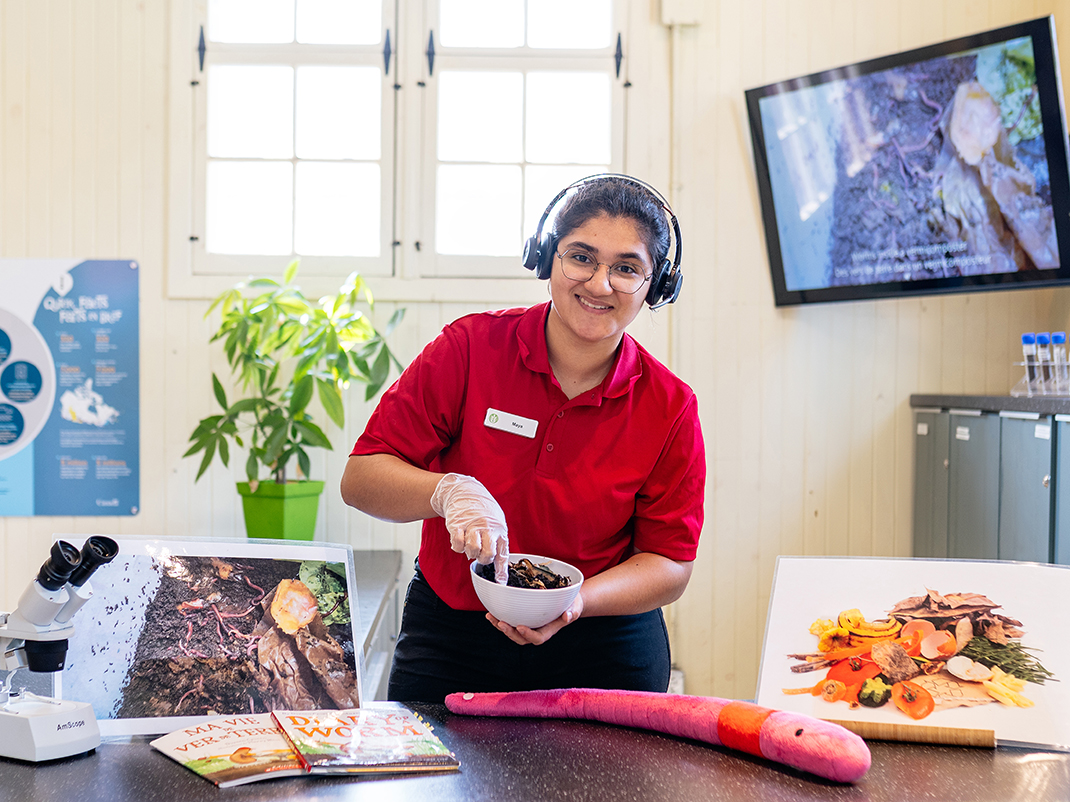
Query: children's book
x=231 y=750
x=377 y=739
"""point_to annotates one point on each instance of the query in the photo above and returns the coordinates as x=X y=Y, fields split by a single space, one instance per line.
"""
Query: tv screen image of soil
x=178 y=635
x=931 y=170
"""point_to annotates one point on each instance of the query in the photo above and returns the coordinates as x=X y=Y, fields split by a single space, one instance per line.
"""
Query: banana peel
x=855 y=623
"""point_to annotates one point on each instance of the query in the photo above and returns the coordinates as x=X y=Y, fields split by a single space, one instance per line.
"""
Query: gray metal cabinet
x=1026 y=494
x=973 y=487
x=1061 y=523
x=931 y=462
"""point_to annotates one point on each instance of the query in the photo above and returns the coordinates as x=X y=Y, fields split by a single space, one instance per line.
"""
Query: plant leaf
x=331 y=398
x=220 y=394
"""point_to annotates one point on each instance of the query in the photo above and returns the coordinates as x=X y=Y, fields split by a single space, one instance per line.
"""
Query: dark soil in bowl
x=525 y=574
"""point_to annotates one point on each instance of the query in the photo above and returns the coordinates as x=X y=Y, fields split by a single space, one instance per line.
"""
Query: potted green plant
x=284 y=349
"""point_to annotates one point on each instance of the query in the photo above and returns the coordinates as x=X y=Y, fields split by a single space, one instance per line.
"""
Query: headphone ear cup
x=657 y=283
x=545 y=263
x=530 y=260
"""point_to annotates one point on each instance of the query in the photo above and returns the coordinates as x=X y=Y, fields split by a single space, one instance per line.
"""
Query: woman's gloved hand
x=475 y=522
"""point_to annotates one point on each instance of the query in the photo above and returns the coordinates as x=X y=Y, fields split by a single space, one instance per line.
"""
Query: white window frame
x=406 y=272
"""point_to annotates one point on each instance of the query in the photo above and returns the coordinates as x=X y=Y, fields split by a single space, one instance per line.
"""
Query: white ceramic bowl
x=529 y=607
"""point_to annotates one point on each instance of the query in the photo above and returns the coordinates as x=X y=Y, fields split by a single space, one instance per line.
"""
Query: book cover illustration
x=365 y=739
x=231 y=750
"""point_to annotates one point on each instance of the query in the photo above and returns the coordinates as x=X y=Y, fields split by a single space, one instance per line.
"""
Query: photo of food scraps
x=180 y=630
x=948 y=658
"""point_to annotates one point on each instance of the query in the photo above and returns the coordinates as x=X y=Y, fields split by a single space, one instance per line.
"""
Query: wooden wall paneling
x=133 y=119
x=693 y=125
x=817 y=430
x=886 y=519
x=908 y=349
x=176 y=394
x=154 y=312
x=842 y=364
x=730 y=330
x=60 y=139
x=16 y=164
x=993 y=349
x=975 y=327
x=952 y=340
x=39 y=83
x=200 y=402
x=83 y=125
x=865 y=424
x=108 y=80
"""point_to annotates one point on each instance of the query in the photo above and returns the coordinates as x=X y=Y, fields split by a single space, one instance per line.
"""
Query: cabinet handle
x=1046 y=481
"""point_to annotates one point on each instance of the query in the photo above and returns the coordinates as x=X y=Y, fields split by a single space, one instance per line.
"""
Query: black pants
x=441 y=651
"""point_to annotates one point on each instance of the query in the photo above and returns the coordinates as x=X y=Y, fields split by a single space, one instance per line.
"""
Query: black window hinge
x=430 y=53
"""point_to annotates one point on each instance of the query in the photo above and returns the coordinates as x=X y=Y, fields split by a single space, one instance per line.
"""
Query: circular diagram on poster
x=11 y=424
x=27 y=384
x=20 y=382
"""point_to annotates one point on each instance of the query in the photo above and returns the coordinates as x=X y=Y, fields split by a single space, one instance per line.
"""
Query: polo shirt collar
x=531 y=339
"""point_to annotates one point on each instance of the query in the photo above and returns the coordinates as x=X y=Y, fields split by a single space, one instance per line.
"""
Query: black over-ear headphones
x=666 y=280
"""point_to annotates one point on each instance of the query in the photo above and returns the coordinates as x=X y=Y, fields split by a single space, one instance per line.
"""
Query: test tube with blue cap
x=1029 y=352
x=1058 y=362
x=1045 y=378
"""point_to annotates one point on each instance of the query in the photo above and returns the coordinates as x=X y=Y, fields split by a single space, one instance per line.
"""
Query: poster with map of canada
x=69 y=406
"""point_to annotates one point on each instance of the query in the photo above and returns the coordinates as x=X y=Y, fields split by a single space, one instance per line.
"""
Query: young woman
x=546 y=430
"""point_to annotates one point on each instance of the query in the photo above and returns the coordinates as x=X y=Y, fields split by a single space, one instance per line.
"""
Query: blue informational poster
x=69 y=416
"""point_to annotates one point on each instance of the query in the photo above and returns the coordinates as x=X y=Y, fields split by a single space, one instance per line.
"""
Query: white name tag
x=505 y=422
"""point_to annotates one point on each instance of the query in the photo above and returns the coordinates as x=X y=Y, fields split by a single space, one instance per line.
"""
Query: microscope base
x=37 y=728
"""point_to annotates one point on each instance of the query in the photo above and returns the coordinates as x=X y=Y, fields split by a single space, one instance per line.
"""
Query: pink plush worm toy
x=819 y=747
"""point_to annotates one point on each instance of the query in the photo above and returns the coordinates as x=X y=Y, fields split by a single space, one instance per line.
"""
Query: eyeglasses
x=626 y=277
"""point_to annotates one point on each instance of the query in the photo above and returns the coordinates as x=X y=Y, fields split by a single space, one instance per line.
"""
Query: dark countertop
x=545 y=760
x=1045 y=405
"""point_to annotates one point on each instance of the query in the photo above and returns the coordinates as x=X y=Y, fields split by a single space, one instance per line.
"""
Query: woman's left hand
x=526 y=635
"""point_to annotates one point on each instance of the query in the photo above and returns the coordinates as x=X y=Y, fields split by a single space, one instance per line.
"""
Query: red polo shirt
x=619 y=468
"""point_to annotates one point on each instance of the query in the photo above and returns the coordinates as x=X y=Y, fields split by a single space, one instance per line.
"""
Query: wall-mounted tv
x=941 y=169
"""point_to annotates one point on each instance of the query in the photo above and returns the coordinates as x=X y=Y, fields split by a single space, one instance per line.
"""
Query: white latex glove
x=475 y=522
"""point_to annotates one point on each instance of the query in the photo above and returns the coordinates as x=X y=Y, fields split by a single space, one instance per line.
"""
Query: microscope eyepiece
x=97 y=551
x=61 y=563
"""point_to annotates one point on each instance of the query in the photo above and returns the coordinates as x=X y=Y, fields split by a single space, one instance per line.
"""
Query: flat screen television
x=941 y=169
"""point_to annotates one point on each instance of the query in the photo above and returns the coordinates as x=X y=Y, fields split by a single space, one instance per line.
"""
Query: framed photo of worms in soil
x=968 y=652
x=181 y=630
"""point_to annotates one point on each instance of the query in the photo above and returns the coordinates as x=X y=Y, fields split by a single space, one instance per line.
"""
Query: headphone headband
x=666 y=280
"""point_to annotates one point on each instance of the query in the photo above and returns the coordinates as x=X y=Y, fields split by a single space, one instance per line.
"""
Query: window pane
x=477 y=210
x=337 y=210
x=568 y=118
x=251 y=21
x=481 y=23
x=541 y=185
x=249 y=207
x=570 y=23
x=479 y=116
x=250 y=111
x=339 y=22
x=339 y=112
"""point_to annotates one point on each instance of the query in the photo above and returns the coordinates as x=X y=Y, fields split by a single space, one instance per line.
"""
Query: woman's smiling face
x=592 y=311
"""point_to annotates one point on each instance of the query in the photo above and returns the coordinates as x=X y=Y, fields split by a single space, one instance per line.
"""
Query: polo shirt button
x=561 y=414
x=549 y=446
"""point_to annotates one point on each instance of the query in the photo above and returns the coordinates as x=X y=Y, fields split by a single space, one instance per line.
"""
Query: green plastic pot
x=281 y=512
